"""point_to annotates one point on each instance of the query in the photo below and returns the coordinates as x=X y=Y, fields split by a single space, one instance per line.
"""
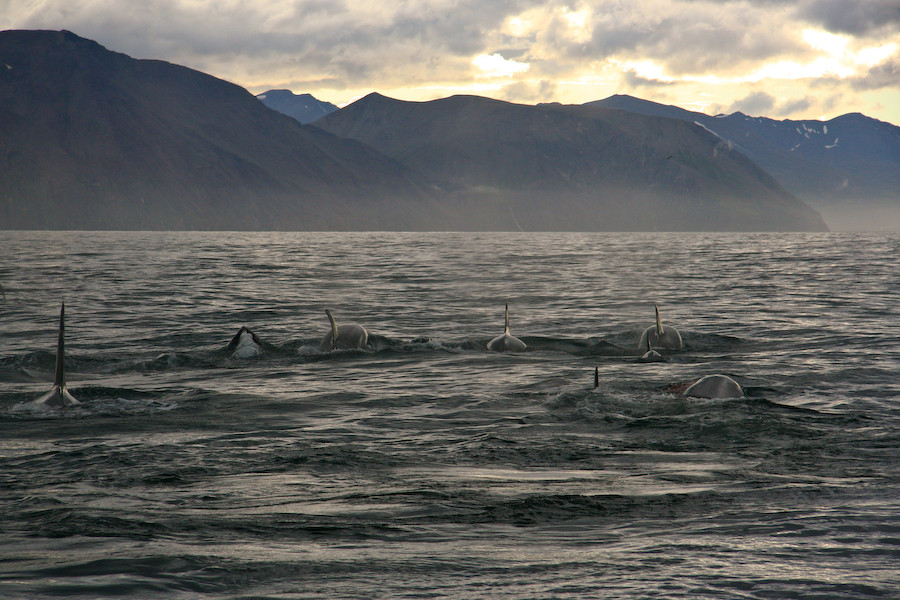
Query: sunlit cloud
x=495 y=65
x=578 y=23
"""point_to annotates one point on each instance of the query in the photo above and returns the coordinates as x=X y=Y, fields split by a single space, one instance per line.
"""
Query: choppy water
x=425 y=466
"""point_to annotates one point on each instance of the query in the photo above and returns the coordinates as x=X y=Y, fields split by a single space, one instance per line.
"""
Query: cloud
x=884 y=75
x=522 y=92
x=793 y=107
x=694 y=52
x=757 y=103
x=855 y=17
x=494 y=65
x=633 y=80
x=690 y=37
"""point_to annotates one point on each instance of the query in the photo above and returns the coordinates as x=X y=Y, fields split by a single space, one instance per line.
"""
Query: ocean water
x=425 y=466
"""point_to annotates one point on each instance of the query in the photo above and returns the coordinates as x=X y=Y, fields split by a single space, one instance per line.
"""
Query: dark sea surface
x=426 y=466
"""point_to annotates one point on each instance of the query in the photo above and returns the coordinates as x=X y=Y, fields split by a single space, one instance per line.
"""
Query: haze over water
x=426 y=466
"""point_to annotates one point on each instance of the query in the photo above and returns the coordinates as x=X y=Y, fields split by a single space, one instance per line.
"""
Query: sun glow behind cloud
x=578 y=24
x=837 y=58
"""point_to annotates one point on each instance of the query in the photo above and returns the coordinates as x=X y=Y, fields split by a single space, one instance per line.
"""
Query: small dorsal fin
x=659 y=326
x=334 y=329
x=506 y=328
x=60 y=380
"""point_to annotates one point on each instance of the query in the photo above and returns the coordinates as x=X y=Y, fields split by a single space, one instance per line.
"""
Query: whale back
x=343 y=337
x=715 y=386
x=506 y=342
x=659 y=336
x=651 y=355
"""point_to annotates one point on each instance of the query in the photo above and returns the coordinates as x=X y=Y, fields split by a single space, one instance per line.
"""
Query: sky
x=798 y=59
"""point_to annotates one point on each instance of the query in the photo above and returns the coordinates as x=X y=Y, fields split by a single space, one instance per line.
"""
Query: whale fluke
x=345 y=337
x=59 y=396
x=715 y=386
x=659 y=336
x=506 y=342
x=244 y=344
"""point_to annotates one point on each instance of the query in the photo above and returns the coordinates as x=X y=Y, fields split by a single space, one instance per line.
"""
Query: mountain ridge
x=589 y=163
x=94 y=139
x=840 y=165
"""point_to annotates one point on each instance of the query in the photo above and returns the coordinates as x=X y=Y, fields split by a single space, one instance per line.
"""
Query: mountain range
x=847 y=167
x=94 y=139
x=571 y=167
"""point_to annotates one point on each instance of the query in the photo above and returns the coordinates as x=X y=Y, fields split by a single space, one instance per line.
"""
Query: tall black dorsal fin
x=60 y=380
x=506 y=320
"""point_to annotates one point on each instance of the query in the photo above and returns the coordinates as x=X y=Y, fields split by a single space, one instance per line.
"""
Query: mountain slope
x=850 y=161
x=302 y=107
x=573 y=167
x=93 y=139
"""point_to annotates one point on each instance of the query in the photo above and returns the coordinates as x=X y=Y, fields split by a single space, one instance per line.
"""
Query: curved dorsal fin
x=659 y=327
x=334 y=329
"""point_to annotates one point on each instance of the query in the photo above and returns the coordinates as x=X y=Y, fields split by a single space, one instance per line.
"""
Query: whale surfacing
x=244 y=344
x=345 y=337
x=59 y=396
x=651 y=355
x=715 y=386
x=506 y=342
x=660 y=337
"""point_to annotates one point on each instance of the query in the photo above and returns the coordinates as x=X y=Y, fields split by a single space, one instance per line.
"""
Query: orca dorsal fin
x=596 y=377
x=506 y=326
x=334 y=329
x=60 y=380
x=659 y=326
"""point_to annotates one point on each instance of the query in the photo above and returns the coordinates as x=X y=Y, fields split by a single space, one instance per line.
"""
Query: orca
x=345 y=337
x=596 y=377
x=651 y=355
x=715 y=386
x=506 y=342
x=59 y=396
x=660 y=337
x=245 y=344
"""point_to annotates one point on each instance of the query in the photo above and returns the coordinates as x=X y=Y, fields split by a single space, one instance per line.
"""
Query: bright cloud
x=495 y=65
